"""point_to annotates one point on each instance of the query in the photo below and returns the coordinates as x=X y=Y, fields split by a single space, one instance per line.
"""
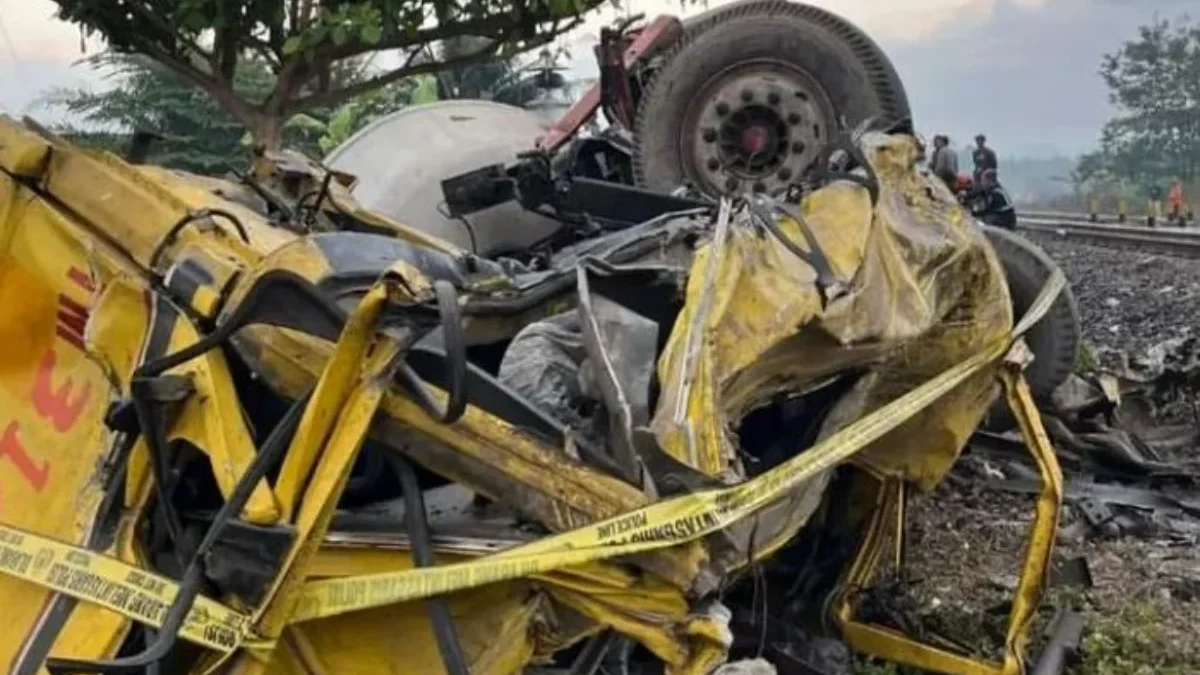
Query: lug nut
x=794 y=118
x=710 y=135
x=785 y=173
x=713 y=164
x=760 y=187
x=773 y=98
x=731 y=184
x=747 y=95
x=798 y=147
x=722 y=108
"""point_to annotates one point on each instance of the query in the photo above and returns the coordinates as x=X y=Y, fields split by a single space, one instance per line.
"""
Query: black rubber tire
x=856 y=75
x=1054 y=340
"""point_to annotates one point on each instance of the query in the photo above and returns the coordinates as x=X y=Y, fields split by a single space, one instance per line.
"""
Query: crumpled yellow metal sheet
x=920 y=291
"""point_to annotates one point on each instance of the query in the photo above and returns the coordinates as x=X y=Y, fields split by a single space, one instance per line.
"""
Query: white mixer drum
x=400 y=161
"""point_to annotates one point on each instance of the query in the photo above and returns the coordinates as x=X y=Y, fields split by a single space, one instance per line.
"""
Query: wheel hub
x=754 y=140
x=756 y=127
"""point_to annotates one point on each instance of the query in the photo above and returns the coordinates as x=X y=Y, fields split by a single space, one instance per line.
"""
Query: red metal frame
x=662 y=30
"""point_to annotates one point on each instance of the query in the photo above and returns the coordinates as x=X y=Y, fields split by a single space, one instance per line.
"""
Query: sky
x=1022 y=71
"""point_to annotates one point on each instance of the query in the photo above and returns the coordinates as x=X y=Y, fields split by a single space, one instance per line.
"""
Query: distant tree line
x=1154 y=139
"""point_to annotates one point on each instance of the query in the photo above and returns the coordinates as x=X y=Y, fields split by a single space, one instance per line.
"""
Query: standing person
x=985 y=157
x=1175 y=203
x=944 y=163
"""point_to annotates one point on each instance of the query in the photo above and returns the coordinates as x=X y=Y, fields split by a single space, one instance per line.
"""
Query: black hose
x=815 y=257
x=456 y=358
x=324 y=191
x=150 y=423
x=154 y=433
x=417 y=522
x=193 y=577
x=870 y=181
x=188 y=219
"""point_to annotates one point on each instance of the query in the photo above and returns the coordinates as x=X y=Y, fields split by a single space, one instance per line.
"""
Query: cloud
x=892 y=21
x=1027 y=76
x=1024 y=71
x=31 y=33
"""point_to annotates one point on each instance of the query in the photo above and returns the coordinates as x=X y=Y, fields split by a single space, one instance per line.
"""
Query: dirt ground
x=964 y=553
x=966 y=540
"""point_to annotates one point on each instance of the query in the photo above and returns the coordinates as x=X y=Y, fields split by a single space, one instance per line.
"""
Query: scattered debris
x=750 y=667
x=1063 y=644
x=1125 y=585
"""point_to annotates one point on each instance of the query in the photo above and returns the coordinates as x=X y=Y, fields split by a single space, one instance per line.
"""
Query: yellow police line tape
x=128 y=590
x=659 y=525
x=144 y=596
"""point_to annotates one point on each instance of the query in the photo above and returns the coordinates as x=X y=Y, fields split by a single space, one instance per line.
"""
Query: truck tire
x=1054 y=340
x=751 y=93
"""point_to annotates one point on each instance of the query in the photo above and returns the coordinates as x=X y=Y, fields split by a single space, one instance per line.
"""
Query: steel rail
x=1172 y=239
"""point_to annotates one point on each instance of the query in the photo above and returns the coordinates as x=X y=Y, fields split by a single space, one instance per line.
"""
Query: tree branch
x=485 y=27
x=335 y=96
x=265 y=50
x=224 y=94
x=149 y=16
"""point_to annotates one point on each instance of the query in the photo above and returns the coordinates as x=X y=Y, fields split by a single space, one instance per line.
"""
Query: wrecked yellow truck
x=253 y=426
x=233 y=444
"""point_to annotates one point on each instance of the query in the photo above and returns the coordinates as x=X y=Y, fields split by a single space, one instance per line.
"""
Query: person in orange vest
x=1175 y=202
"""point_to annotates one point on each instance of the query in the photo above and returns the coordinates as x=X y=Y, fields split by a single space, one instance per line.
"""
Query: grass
x=1130 y=643
x=1085 y=357
x=874 y=667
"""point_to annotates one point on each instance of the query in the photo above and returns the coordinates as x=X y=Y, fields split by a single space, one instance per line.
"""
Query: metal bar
x=1173 y=241
x=896 y=646
x=658 y=32
x=330 y=396
x=1042 y=531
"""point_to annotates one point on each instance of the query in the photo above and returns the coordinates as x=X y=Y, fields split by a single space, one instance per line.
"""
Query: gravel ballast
x=1128 y=300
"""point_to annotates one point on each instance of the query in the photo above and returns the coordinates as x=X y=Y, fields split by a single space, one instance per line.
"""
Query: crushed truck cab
x=255 y=427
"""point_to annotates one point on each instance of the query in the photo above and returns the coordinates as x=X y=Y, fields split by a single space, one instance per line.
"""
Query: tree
x=477 y=80
x=197 y=134
x=363 y=109
x=304 y=42
x=1154 y=83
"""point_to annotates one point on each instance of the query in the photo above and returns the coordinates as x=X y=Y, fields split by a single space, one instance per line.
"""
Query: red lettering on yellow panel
x=58 y=405
x=12 y=450
x=70 y=321
x=82 y=279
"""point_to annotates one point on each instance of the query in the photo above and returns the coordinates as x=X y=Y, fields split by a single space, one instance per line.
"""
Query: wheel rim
x=756 y=126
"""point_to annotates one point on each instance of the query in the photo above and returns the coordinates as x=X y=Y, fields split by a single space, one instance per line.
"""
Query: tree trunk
x=267 y=131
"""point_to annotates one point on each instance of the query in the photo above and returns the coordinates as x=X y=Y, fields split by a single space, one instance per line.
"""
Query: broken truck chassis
x=334 y=389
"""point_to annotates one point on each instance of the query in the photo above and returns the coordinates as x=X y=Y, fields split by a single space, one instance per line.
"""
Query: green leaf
x=195 y=21
x=293 y=45
x=340 y=35
x=371 y=33
x=426 y=90
x=306 y=123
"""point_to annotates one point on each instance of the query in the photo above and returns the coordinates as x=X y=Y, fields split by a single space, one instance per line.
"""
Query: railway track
x=1169 y=239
